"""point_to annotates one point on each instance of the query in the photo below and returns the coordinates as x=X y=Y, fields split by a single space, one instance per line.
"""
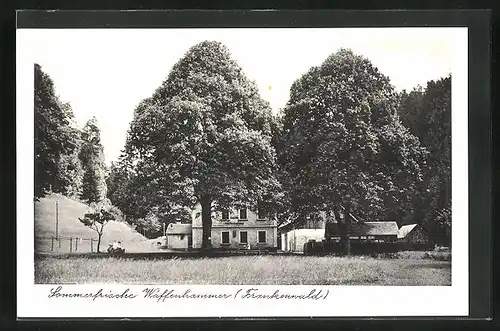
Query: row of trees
x=427 y=115
x=68 y=160
x=346 y=141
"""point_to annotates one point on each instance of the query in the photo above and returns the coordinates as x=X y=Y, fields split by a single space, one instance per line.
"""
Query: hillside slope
x=70 y=226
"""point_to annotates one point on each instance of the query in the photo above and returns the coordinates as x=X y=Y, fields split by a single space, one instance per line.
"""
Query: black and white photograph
x=221 y=158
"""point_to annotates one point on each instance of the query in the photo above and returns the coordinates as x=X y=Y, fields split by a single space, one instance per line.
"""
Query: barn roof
x=178 y=228
x=405 y=229
x=382 y=228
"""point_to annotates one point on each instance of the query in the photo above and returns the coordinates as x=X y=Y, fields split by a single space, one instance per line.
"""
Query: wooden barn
x=413 y=234
x=377 y=232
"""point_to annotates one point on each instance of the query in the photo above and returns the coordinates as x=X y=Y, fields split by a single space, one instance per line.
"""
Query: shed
x=380 y=231
x=179 y=236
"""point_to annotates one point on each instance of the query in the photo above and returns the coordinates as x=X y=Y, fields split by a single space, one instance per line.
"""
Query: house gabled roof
x=179 y=228
x=405 y=229
x=382 y=228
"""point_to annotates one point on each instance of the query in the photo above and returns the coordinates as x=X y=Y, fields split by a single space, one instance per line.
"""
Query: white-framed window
x=225 y=215
x=224 y=237
x=243 y=237
x=243 y=214
x=262 y=237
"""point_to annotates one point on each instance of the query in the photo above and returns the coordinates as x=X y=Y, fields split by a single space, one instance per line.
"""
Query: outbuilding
x=179 y=236
x=413 y=236
x=378 y=232
x=294 y=240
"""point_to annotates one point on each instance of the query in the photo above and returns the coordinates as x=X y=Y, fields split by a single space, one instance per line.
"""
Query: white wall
x=177 y=241
x=294 y=240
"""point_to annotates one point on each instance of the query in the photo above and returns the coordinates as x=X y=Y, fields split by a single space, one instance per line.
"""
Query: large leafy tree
x=94 y=167
x=57 y=167
x=343 y=146
x=427 y=113
x=205 y=136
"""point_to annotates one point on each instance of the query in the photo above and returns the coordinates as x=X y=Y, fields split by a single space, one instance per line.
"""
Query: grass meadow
x=410 y=270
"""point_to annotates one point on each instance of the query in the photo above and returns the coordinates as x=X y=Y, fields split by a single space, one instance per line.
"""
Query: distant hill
x=70 y=226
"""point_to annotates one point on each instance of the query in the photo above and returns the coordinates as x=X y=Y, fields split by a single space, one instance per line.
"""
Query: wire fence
x=66 y=244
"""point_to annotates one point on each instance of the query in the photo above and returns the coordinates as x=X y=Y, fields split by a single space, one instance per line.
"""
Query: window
x=261 y=214
x=262 y=237
x=243 y=214
x=225 y=237
x=243 y=237
x=225 y=214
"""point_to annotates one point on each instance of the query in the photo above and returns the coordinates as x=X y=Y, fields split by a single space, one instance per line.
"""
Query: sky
x=106 y=72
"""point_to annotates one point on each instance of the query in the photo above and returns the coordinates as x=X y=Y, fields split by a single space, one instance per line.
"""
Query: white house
x=237 y=229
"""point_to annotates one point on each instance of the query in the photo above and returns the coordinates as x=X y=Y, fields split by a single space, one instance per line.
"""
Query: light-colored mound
x=69 y=225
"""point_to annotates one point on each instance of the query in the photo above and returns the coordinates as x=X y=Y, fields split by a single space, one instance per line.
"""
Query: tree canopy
x=205 y=135
x=343 y=145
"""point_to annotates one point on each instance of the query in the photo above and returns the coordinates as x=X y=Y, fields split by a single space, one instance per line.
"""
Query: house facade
x=237 y=229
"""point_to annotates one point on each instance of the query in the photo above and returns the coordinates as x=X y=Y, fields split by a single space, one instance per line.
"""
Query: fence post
x=70 y=244
x=52 y=245
x=91 y=245
x=59 y=241
x=76 y=244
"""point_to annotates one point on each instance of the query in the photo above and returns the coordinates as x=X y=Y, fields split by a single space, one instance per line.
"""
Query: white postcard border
x=33 y=300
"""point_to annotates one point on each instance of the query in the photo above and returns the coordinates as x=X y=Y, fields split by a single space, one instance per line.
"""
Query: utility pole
x=57 y=220
x=164 y=229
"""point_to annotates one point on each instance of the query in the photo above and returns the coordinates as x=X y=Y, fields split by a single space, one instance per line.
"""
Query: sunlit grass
x=272 y=270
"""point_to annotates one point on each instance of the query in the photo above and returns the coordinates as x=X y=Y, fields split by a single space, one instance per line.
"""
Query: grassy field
x=271 y=270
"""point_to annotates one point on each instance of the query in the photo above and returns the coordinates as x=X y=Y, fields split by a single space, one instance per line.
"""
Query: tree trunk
x=206 y=220
x=347 y=246
x=344 y=232
x=98 y=241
